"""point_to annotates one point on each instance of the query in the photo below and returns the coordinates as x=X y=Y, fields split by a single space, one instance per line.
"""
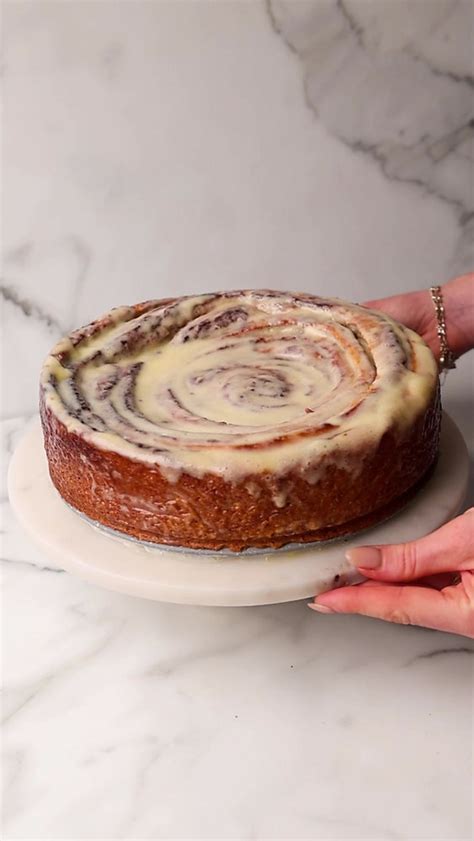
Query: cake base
x=206 y=578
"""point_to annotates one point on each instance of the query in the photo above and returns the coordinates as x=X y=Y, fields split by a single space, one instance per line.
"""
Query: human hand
x=416 y=310
x=427 y=582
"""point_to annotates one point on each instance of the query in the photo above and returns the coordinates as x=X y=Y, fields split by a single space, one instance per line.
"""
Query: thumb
x=449 y=549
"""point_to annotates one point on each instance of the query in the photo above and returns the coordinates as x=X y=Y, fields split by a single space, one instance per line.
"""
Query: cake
x=240 y=419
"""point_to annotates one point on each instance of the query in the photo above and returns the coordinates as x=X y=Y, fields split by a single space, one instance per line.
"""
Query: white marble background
x=158 y=147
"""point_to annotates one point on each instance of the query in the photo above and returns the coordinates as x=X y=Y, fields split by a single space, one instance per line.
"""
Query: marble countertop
x=157 y=147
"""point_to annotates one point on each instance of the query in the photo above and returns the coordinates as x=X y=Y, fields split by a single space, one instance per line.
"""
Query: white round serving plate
x=185 y=577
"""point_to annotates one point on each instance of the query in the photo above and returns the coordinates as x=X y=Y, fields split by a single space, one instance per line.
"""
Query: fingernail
x=321 y=608
x=367 y=557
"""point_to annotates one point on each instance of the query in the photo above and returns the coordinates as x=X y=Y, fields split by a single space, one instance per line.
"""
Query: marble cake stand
x=215 y=579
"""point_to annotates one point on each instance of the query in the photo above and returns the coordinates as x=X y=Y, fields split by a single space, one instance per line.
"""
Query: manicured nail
x=321 y=608
x=367 y=557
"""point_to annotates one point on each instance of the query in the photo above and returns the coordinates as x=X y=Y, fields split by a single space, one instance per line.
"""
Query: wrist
x=458 y=298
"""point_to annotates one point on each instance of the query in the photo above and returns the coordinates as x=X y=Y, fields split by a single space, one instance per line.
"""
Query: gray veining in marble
x=151 y=147
x=394 y=81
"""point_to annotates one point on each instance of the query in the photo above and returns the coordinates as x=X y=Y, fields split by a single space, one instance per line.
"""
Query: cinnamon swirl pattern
x=243 y=400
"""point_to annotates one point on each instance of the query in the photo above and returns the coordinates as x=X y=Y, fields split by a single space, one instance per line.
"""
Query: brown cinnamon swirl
x=239 y=419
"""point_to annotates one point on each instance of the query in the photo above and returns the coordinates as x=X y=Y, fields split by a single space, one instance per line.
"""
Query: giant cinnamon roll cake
x=241 y=419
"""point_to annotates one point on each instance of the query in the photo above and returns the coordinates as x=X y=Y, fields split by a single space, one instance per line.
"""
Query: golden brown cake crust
x=210 y=513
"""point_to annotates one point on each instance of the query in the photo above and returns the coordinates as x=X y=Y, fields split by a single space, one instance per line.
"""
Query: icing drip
x=239 y=383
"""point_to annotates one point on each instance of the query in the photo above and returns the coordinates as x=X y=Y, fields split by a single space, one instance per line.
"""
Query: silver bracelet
x=447 y=359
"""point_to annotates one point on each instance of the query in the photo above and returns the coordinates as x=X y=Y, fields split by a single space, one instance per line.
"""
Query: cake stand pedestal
x=216 y=579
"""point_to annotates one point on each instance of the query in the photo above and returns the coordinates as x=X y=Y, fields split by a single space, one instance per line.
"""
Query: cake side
x=261 y=510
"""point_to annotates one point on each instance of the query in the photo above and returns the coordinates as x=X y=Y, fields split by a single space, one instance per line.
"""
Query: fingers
x=406 y=308
x=393 y=306
x=432 y=559
x=449 y=549
x=414 y=309
x=448 y=610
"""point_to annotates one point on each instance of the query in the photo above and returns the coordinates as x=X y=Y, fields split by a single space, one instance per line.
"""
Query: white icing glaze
x=239 y=383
